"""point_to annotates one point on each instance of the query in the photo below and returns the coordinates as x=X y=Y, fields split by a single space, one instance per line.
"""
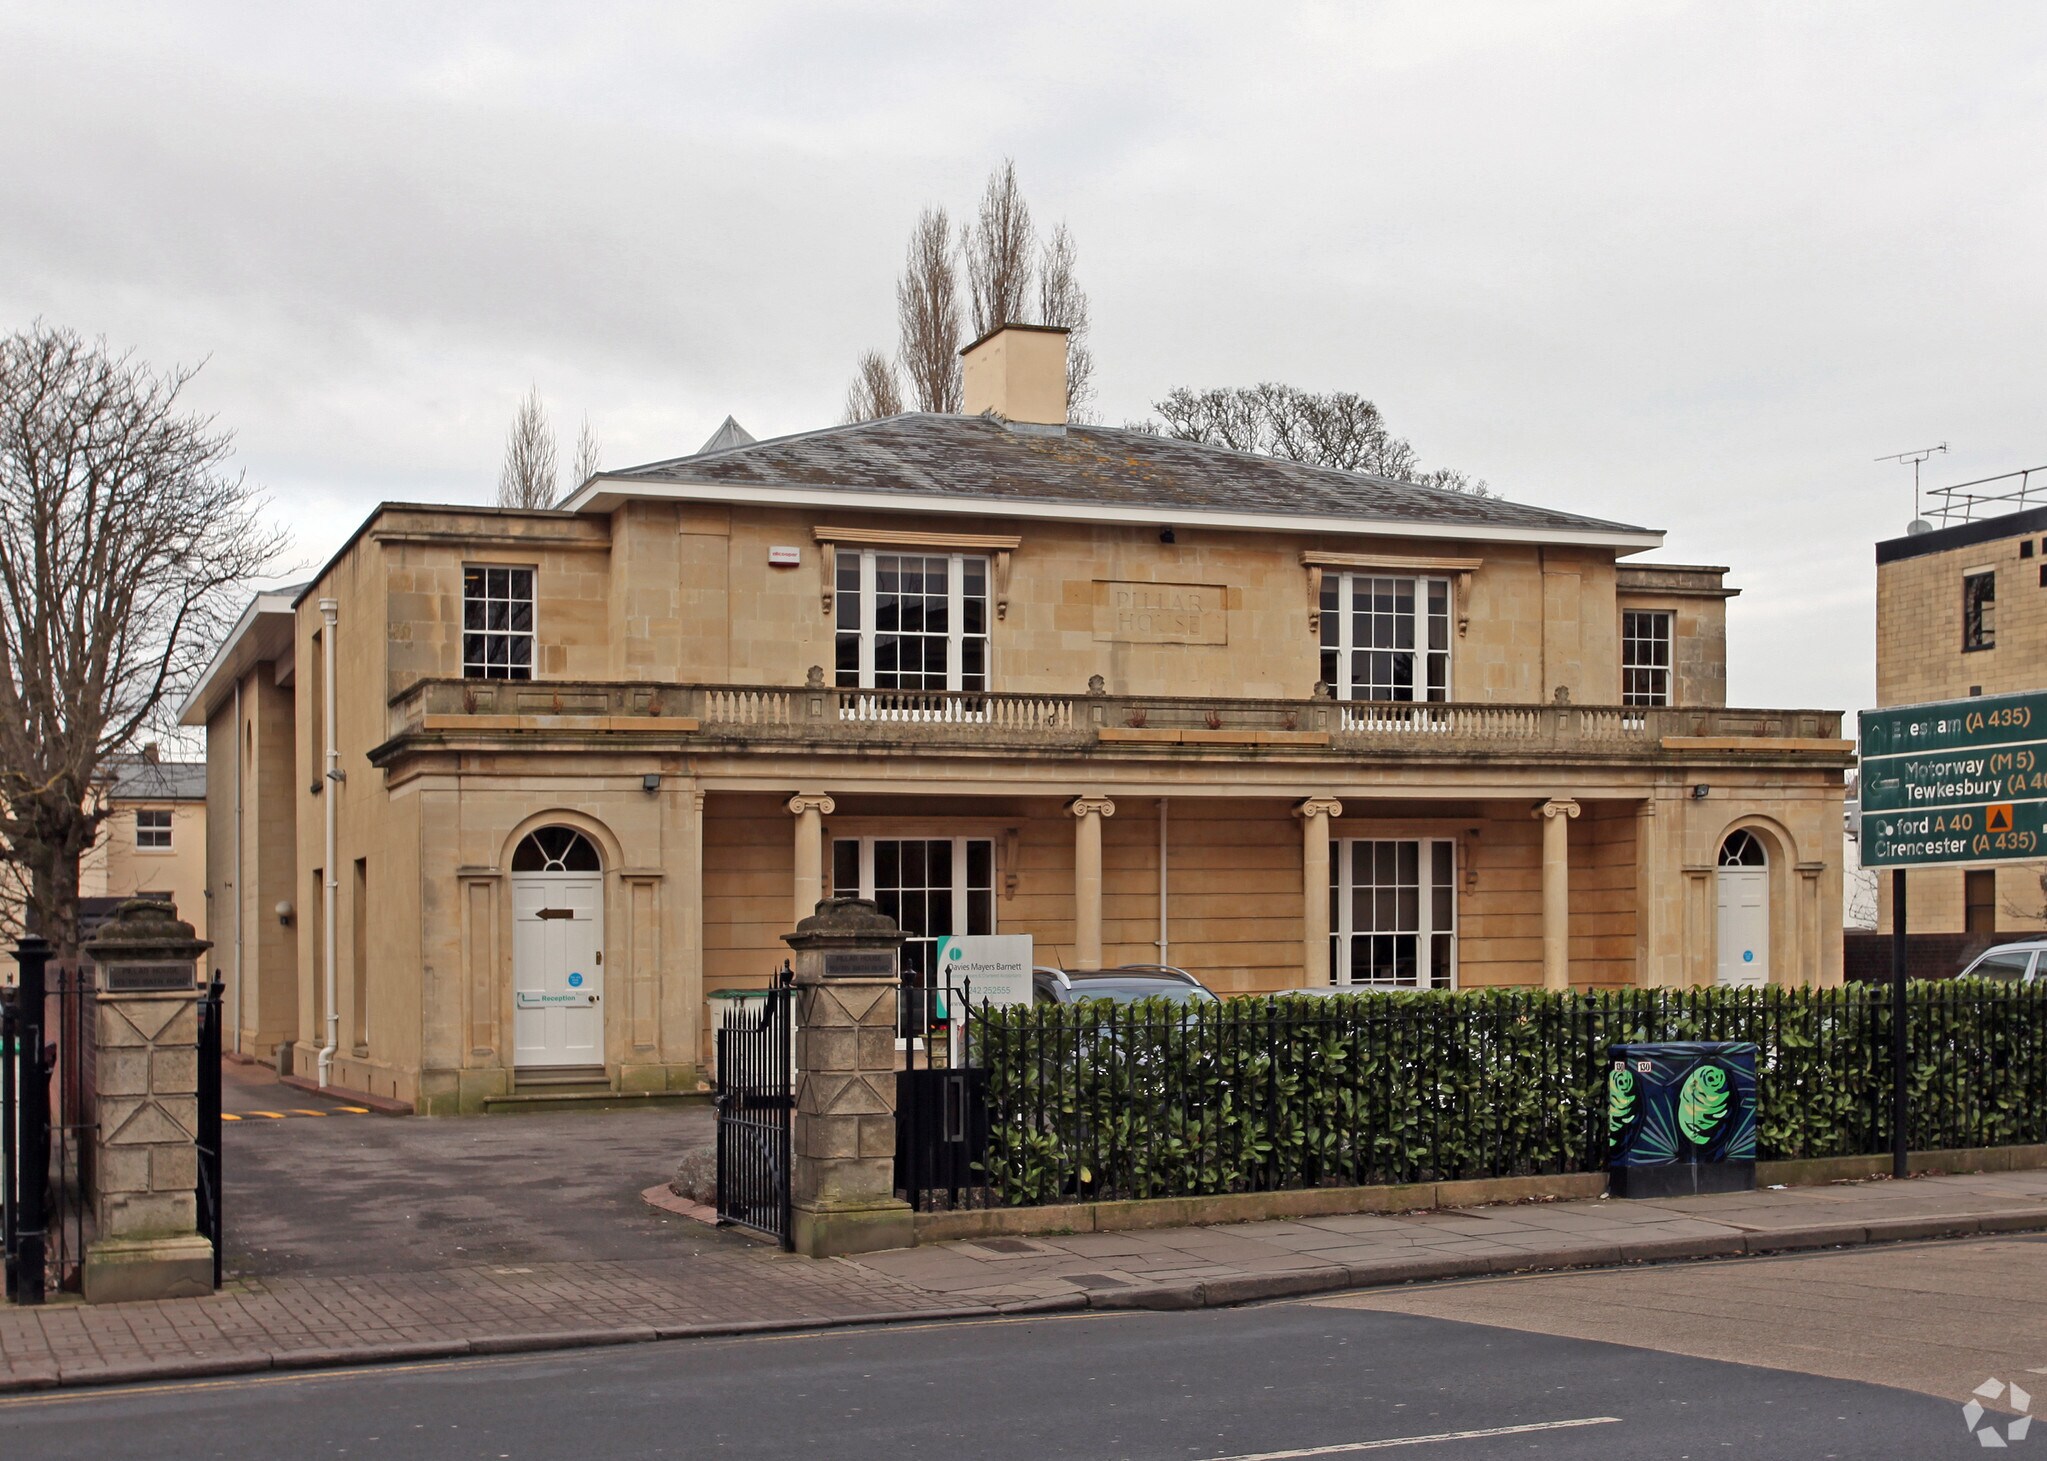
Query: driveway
x=314 y=1189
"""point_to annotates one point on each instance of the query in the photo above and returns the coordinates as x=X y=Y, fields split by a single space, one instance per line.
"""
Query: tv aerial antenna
x=1918 y=524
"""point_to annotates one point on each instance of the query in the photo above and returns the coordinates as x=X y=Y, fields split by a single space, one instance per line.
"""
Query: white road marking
x=1351 y=1447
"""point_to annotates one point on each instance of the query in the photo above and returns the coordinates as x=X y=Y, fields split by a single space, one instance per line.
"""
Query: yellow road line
x=229 y=1116
x=302 y=1111
x=354 y=1110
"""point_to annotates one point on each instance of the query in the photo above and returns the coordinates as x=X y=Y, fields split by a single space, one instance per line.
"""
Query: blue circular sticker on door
x=1748 y=956
x=575 y=981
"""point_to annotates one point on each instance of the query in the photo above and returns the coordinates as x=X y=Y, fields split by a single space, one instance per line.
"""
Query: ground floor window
x=933 y=887
x=1393 y=912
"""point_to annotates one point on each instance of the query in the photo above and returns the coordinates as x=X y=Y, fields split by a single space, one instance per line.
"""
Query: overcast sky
x=1688 y=265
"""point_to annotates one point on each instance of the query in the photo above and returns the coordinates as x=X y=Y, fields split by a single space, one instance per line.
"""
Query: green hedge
x=1096 y=1101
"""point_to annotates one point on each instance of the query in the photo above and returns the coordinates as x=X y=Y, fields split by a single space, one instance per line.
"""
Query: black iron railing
x=1100 y=1101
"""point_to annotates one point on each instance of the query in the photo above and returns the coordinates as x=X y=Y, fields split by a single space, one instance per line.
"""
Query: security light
x=651 y=782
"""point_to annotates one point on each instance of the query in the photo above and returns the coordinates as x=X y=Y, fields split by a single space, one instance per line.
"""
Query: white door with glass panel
x=933 y=887
x=557 y=951
x=1744 y=928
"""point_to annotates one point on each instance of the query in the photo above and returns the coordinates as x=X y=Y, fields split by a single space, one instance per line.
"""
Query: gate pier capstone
x=145 y=1149
x=842 y=1182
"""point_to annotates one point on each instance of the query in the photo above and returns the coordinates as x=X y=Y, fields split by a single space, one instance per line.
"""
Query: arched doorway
x=557 y=951
x=1744 y=928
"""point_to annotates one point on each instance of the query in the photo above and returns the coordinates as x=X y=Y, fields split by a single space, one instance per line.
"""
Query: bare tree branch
x=527 y=478
x=998 y=247
x=124 y=539
x=874 y=392
x=1061 y=301
x=928 y=315
x=587 y=464
x=1332 y=429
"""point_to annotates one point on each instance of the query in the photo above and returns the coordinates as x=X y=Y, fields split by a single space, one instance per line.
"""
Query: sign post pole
x=1901 y=1109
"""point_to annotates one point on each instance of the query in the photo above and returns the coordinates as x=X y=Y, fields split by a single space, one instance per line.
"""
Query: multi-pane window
x=1979 y=610
x=1645 y=657
x=153 y=829
x=497 y=623
x=1393 y=913
x=933 y=887
x=1385 y=638
x=911 y=621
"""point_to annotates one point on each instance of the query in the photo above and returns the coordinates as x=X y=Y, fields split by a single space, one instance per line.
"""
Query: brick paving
x=724 y=1282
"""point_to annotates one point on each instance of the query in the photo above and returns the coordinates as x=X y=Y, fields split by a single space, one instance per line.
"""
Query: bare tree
x=1061 y=301
x=874 y=392
x=124 y=539
x=1332 y=429
x=998 y=247
x=586 y=464
x=928 y=314
x=527 y=478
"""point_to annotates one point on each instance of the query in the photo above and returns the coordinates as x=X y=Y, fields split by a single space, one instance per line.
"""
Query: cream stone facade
x=1924 y=652
x=1123 y=738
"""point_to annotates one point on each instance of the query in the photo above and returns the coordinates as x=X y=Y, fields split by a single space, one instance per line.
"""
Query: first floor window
x=1385 y=638
x=1645 y=657
x=911 y=621
x=1393 y=913
x=153 y=829
x=933 y=887
x=497 y=623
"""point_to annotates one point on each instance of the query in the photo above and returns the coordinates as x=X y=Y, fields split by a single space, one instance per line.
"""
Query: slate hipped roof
x=136 y=779
x=926 y=455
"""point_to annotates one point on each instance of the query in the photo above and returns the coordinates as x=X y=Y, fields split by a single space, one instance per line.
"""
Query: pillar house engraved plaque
x=1162 y=613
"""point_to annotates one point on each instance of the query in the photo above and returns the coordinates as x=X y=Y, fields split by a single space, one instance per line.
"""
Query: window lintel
x=828 y=539
x=1458 y=570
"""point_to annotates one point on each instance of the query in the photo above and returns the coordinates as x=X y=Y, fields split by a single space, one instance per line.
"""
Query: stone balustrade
x=767 y=715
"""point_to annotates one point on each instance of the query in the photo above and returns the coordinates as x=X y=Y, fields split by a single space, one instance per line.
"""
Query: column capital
x=1318 y=806
x=1556 y=806
x=812 y=801
x=1091 y=806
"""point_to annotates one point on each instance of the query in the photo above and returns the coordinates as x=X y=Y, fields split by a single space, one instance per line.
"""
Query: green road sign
x=1955 y=781
x=1916 y=782
x=1955 y=725
x=1996 y=832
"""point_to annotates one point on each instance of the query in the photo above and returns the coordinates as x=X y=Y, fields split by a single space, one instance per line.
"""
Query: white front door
x=557 y=969
x=1744 y=925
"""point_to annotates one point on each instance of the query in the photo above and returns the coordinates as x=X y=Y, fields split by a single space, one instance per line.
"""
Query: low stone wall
x=1251 y=1207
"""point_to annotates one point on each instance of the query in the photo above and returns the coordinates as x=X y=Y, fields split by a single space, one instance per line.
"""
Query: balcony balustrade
x=739 y=716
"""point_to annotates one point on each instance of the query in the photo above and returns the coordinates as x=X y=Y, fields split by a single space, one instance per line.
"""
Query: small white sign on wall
x=992 y=968
x=785 y=557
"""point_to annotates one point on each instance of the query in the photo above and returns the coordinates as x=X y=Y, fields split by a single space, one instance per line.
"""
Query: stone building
x=1144 y=700
x=1961 y=611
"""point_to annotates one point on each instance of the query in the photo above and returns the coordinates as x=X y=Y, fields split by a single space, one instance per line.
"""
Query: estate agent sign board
x=1957 y=781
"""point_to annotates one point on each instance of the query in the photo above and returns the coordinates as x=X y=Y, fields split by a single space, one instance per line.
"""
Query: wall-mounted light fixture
x=1165 y=535
x=284 y=913
x=651 y=782
x=1700 y=792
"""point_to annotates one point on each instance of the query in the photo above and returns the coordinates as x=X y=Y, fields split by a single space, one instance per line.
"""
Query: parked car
x=2016 y=963
x=1125 y=984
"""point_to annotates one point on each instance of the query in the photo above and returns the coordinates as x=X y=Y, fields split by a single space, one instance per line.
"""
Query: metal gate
x=208 y=1191
x=48 y=1111
x=756 y=1098
x=941 y=1103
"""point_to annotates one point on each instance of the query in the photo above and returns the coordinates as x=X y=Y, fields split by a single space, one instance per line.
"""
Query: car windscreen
x=1126 y=991
x=2002 y=964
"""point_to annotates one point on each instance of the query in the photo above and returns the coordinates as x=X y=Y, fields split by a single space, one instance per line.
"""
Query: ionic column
x=1556 y=817
x=810 y=809
x=1088 y=812
x=1315 y=814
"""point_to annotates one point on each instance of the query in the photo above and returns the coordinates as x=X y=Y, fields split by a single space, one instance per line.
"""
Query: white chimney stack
x=1019 y=373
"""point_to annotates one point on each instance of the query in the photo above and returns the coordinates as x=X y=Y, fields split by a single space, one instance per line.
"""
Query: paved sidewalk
x=723 y=1283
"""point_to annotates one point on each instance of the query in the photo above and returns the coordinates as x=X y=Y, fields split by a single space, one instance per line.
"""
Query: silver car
x=2017 y=963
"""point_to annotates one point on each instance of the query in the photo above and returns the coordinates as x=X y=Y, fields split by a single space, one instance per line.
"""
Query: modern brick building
x=1961 y=610
x=1141 y=699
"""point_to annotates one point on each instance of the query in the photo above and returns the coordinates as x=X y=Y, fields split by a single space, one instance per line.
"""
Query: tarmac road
x=1272 y=1383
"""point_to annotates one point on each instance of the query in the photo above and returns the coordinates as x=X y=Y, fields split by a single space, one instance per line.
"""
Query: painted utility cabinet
x=1681 y=1118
